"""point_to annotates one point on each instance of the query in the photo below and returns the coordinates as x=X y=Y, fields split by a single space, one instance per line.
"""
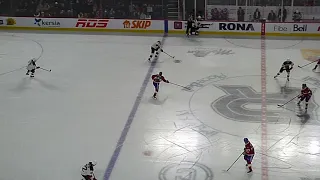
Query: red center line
x=264 y=125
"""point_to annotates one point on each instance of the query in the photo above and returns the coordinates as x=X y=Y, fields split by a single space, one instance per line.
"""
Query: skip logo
x=236 y=26
x=302 y=28
x=44 y=23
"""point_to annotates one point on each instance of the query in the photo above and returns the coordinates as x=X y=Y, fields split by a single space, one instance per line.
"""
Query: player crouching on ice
x=306 y=94
x=87 y=171
x=32 y=67
x=157 y=78
x=248 y=153
x=287 y=65
x=155 y=49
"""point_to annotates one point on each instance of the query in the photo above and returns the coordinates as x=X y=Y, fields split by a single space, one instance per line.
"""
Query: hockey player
x=157 y=78
x=87 y=171
x=248 y=153
x=195 y=26
x=318 y=63
x=287 y=65
x=155 y=49
x=189 y=25
x=306 y=94
x=32 y=67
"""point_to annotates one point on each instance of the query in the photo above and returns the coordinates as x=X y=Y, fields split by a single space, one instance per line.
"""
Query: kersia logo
x=46 y=23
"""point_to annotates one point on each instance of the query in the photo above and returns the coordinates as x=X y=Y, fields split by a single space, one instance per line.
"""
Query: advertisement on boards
x=92 y=23
x=300 y=28
x=46 y=22
x=281 y=28
x=137 y=24
x=235 y=26
x=178 y=25
x=10 y=22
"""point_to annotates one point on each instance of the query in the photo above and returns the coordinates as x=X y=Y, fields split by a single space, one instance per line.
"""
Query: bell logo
x=137 y=24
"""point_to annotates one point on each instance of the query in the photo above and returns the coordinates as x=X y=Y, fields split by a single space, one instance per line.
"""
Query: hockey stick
x=234 y=163
x=1 y=74
x=281 y=105
x=49 y=70
x=308 y=64
x=180 y=85
x=168 y=55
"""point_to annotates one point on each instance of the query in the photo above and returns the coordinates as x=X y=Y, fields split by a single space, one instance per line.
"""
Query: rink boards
x=159 y=26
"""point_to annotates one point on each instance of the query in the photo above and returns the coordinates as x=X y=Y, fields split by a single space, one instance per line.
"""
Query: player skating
x=287 y=65
x=87 y=171
x=306 y=94
x=318 y=64
x=31 y=68
x=157 y=78
x=155 y=50
x=248 y=153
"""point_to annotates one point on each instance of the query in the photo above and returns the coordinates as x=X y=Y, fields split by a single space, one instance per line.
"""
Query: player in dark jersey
x=318 y=64
x=287 y=65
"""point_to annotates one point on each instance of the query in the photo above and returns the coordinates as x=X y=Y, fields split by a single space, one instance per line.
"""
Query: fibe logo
x=279 y=28
x=301 y=28
x=236 y=26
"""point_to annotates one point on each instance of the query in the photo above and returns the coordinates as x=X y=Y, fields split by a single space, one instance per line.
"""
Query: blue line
x=132 y=114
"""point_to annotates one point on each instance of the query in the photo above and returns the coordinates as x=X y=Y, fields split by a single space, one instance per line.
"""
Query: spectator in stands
x=284 y=14
x=296 y=17
x=257 y=15
x=224 y=14
x=215 y=14
x=272 y=17
x=240 y=14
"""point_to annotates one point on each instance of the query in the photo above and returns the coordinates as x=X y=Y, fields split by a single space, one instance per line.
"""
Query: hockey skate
x=250 y=170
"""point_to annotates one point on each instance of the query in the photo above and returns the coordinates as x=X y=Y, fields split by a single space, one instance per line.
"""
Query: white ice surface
x=51 y=125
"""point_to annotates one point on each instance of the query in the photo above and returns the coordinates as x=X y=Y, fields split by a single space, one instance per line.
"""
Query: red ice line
x=264 y=159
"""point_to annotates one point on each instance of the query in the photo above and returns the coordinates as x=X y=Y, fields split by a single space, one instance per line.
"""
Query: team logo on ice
x=243 y=103
x=310 y=54
x=186 y=171
x=203 y=52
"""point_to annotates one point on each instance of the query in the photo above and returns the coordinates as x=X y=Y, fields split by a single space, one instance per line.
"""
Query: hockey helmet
x=246 y=140
x=93 y=163
x=304 y=85
x=159 y=42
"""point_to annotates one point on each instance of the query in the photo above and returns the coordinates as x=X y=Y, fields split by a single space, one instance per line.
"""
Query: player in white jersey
x=31 y=67
x=87 y=171
x=155 y=49
x=287 y=66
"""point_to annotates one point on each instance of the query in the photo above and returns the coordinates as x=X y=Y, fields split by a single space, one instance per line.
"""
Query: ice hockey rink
x=97 y=104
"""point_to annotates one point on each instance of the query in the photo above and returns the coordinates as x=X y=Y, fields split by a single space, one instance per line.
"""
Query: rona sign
x=236 y=27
